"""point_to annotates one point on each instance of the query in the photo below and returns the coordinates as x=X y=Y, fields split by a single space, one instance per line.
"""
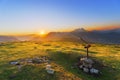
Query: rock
x=87 y=60
x=87 y=65
x=37 y=61
x=81 y=66
x=50 y=71
x=48 y=67
x=86 y=70
x=29 y=60
x=14 y=62
x=94 y=71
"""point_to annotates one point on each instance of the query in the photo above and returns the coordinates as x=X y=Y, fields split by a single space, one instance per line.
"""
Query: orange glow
x=42 y=33
x=105 y=27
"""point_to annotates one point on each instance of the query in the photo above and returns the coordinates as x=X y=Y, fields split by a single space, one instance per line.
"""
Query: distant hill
x=79 y=30
x=58 y=36
x=25 y=37
x=105 y=36
x=83 y=36
x=108 y=31
x=7 y=39
x=62 y=36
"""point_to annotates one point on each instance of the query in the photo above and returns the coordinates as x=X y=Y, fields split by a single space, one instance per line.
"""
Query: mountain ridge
x=83 y=36
x=7 y=38
x=77 y=35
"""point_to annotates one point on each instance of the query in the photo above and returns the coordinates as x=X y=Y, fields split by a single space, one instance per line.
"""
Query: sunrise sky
x=33 y=16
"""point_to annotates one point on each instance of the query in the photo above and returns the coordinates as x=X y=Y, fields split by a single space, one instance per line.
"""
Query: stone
x=81 y=66
x=29 y=60
x=50 y=71
x=14 y=62
x=86 y=60
x=87 y=65
x=48 y=66
x=94 y=71
x=86 y=70
x=37 y=61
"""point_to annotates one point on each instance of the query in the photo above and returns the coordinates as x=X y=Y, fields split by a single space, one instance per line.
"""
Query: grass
x=63 y=56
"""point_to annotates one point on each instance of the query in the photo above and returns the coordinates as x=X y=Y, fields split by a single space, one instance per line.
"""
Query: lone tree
x=87 y=47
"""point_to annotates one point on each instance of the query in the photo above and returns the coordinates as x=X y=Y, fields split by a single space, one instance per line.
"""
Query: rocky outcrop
x=86 y=64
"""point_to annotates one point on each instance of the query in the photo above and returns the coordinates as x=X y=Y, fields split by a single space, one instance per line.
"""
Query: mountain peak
x=79 y=30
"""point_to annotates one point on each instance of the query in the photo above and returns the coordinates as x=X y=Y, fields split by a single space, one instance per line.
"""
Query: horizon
x=34 y=16
x=42 y=32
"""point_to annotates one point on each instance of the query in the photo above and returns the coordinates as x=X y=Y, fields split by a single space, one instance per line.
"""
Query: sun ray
x=42 y=33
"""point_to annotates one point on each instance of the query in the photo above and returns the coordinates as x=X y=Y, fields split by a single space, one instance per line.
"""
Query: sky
x=31 y=16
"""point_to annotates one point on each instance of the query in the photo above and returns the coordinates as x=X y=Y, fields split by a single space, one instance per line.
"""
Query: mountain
x=83 y=36
x=25 y=37
x=58 y=36
x=104 y=36
x=117 y=30
x=79 y=30
x=62 y=36
x=7 y=39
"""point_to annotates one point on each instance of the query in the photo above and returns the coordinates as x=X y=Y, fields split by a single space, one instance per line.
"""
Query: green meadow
x=63 y=55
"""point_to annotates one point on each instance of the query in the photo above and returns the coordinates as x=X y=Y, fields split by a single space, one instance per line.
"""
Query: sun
x=42 y=33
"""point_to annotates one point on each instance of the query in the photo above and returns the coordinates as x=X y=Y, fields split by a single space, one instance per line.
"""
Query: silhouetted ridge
x=7 y=39
x=84 y=36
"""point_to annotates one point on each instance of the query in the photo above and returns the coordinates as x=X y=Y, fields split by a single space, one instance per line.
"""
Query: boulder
x=85 y=69
x=87 y=60
x=50 y=71
x=81 y=66
x=29 y=60
x=48 y=66
x=86 y=64
x=94 y=71
x=37 y=61
x=14 y=62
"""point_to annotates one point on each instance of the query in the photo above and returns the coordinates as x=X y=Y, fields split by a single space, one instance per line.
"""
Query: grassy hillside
x=62 y=56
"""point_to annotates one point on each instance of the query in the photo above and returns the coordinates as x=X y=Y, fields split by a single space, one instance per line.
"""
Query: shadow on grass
x=66 y=60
